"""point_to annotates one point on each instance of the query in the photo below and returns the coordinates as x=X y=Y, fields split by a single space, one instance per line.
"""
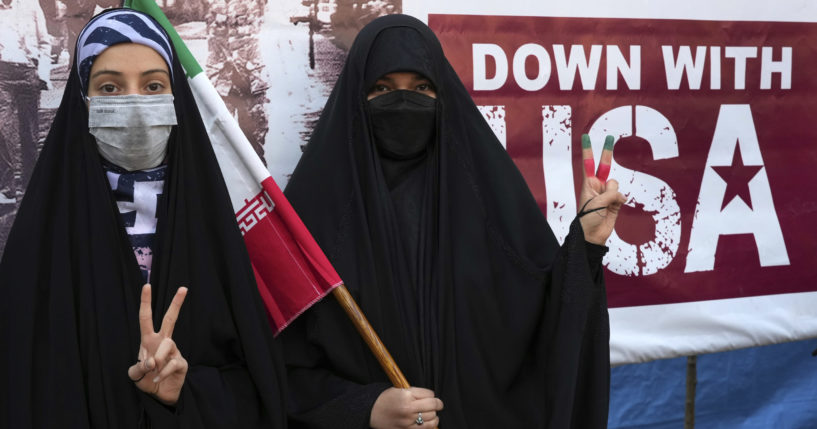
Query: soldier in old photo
x=25 y=49
x=234 y=65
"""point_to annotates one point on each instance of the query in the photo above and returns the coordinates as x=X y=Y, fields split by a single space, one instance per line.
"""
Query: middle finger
x=430 y=420
x=606 y=159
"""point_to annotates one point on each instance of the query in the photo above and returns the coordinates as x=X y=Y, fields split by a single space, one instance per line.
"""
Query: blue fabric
x=756 y=388
x=114 y=27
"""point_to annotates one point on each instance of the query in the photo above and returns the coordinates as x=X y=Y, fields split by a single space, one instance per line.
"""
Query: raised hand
x=414 y=407
x=599 y=200
x=160 y=369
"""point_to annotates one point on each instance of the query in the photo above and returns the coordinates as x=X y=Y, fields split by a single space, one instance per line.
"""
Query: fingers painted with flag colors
x=606 y=158
x=587 y=156
x=599 y=200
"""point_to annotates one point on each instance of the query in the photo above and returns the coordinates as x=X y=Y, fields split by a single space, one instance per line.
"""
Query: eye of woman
x=379 y=87
x=155 y=87
x=108 y=88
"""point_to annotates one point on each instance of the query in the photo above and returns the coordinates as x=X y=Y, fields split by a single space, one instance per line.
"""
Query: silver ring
x=419 y=420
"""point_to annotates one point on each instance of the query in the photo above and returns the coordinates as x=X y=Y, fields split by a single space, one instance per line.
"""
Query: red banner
x=716 y=146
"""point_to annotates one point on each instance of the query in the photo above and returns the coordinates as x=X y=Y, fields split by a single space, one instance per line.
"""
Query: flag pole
x=364 y=328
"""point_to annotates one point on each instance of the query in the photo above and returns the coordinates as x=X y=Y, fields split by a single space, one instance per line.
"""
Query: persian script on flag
x=716 y=152
x=289 y=280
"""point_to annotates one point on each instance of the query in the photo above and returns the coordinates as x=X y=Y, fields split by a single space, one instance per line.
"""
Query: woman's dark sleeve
x=319 y=398
x=244 y=387
x=576 y=340
x=210 y=398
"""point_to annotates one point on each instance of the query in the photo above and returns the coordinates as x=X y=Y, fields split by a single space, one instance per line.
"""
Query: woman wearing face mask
x=435 y=233
x=127 y=190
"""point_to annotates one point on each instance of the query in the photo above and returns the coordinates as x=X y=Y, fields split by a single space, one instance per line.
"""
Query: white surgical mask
x=132 y=130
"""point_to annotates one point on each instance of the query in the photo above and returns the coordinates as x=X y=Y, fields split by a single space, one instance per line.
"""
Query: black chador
x=434 y=231
x=70 y=286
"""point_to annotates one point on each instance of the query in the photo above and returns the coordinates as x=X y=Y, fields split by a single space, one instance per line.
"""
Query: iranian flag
x=291 y=270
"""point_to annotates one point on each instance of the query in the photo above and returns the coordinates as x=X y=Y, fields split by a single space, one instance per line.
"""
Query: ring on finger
x=419 y=421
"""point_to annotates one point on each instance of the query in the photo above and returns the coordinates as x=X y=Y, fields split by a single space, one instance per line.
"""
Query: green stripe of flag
x=191 y=66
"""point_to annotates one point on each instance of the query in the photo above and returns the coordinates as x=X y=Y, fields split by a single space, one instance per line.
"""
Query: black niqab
x=450 y=259
x=404 y=124
x=70 y=285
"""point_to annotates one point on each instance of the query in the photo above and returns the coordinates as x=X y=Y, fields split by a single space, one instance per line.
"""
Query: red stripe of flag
x=291 y=270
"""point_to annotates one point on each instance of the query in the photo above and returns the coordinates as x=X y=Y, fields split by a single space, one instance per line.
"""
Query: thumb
x=611 y=186
x=610 y=196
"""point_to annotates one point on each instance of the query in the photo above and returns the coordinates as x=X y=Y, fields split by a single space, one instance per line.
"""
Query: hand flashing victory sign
x=161 y=368
x=599 y=200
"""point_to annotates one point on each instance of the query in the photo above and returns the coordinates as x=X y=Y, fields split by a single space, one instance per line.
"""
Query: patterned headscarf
x=114 y=27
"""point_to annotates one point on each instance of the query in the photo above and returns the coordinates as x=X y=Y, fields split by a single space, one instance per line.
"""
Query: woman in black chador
x=435 y=233
x=127 y=190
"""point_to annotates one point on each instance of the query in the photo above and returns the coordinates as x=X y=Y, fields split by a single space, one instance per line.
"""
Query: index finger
x=420 y=392
x=426 y=404
x=172 y=314
x=145 y=312
x=587 y=157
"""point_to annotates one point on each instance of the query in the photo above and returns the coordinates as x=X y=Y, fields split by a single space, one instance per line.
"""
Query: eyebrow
x=101 y=72
x=416 y=78
x=145 y=73
x=118 y=73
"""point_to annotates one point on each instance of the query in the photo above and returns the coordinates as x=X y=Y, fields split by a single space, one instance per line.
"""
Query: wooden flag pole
x=370 y=336
x=364 y=328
